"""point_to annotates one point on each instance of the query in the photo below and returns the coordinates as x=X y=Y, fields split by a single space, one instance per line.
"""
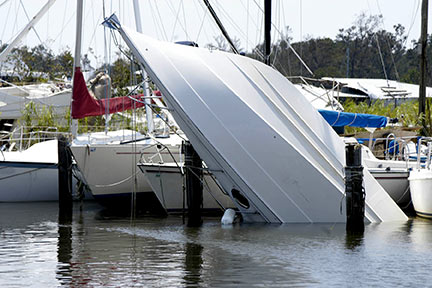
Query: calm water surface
x=96 y=250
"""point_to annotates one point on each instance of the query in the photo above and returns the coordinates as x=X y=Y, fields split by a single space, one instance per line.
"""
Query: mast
x=221 y=27
x=26 y=29
x=423 y=43
x=77 y=57
x=146 y=88
x=267 y=30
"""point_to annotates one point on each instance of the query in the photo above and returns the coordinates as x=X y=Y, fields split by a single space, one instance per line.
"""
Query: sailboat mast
x=423 y=44
x=267 y=30
x=26 y=29
x=77 y=57
x=146 y=88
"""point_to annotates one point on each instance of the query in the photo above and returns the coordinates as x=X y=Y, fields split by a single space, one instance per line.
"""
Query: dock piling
x=64 y=177
x=355 y=194
x=194 y=189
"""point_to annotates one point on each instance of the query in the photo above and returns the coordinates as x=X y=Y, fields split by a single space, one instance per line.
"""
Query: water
x=96 y=250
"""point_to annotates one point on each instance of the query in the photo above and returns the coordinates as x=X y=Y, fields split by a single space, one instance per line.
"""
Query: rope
x=112 y=184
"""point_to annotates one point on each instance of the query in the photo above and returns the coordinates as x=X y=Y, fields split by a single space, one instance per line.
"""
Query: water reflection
x=42 y=248
x=193 y=259
x=353 y=240
x=64 y=247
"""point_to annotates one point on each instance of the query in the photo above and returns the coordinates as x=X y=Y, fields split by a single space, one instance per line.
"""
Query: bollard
x=194 y=189
x=355 y=194
x=64 y=178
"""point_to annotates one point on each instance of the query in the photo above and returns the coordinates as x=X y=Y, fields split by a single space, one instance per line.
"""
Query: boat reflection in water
x=37 y=247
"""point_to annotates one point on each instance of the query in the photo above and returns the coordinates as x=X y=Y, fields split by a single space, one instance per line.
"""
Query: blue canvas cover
x=339 y=119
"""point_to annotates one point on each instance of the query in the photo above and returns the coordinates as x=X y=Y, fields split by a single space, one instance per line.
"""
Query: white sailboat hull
x=111 y=172
x=30 y=175
x=166 y=181
x=395 y=183
x=28 y=182
x=421 y=191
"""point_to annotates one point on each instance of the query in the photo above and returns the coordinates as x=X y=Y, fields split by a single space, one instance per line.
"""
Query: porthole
x=240 y=199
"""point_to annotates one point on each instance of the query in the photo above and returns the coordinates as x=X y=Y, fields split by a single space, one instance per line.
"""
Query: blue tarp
x=339 y=119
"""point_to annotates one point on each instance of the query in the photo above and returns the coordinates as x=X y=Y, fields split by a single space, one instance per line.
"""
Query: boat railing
x=396 y=148
x=424 y=157
x=22 y=137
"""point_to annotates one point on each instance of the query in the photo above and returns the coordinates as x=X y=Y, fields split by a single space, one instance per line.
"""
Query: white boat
x=392 y=175
x=108 y=163
x=30 y=175
x=420 y=181
x=166 y=180
x=14 y=99
x=256 y=133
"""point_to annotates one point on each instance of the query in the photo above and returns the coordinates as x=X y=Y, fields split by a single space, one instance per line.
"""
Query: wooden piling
x=355 y=194
x=64 y=177
x=194 y=188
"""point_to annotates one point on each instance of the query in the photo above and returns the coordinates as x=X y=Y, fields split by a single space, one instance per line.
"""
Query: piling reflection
x=64 y=246
x=353 y=240
x=193 y=258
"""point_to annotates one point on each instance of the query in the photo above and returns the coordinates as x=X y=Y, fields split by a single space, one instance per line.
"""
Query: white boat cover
x=257 y=133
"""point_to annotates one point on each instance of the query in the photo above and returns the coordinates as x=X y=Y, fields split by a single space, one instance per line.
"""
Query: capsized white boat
x=267 y=146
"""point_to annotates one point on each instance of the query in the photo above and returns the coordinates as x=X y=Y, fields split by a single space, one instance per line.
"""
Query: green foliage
x=407 y=112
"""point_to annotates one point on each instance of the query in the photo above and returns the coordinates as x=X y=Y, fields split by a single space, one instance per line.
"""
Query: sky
x=175 y=20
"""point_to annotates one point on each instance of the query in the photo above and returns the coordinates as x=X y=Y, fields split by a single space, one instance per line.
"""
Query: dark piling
x=64 y=179
x=355 y=194
x=194 y=188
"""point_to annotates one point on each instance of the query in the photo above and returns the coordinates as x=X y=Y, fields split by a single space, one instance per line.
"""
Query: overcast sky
x=174 y=20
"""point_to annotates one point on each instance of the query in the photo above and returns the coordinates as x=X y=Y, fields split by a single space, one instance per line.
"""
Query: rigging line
x=247 y=26
x=28 y=19
x=94 y=25
x=288 y=43
x=256 y=26
x=184 y=19
x=413 y=17
x=202 y=22
x=161 y=22
x=176 y=17
x=158 y=25
x=7 y=18
x=221 y=27
x=214 y=30
x=64 y=18
x=4 y=2
x=16 y=20
x=388 y=43
x=64 y=26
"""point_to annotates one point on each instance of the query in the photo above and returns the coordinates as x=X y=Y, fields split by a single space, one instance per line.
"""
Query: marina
x=171 y=162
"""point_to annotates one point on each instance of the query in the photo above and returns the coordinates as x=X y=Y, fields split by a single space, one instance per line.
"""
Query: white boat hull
x=30 y=175
x=28 y=182
x=166 y=181
x=421 y=191
x=111 y=172
x=395 y=183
